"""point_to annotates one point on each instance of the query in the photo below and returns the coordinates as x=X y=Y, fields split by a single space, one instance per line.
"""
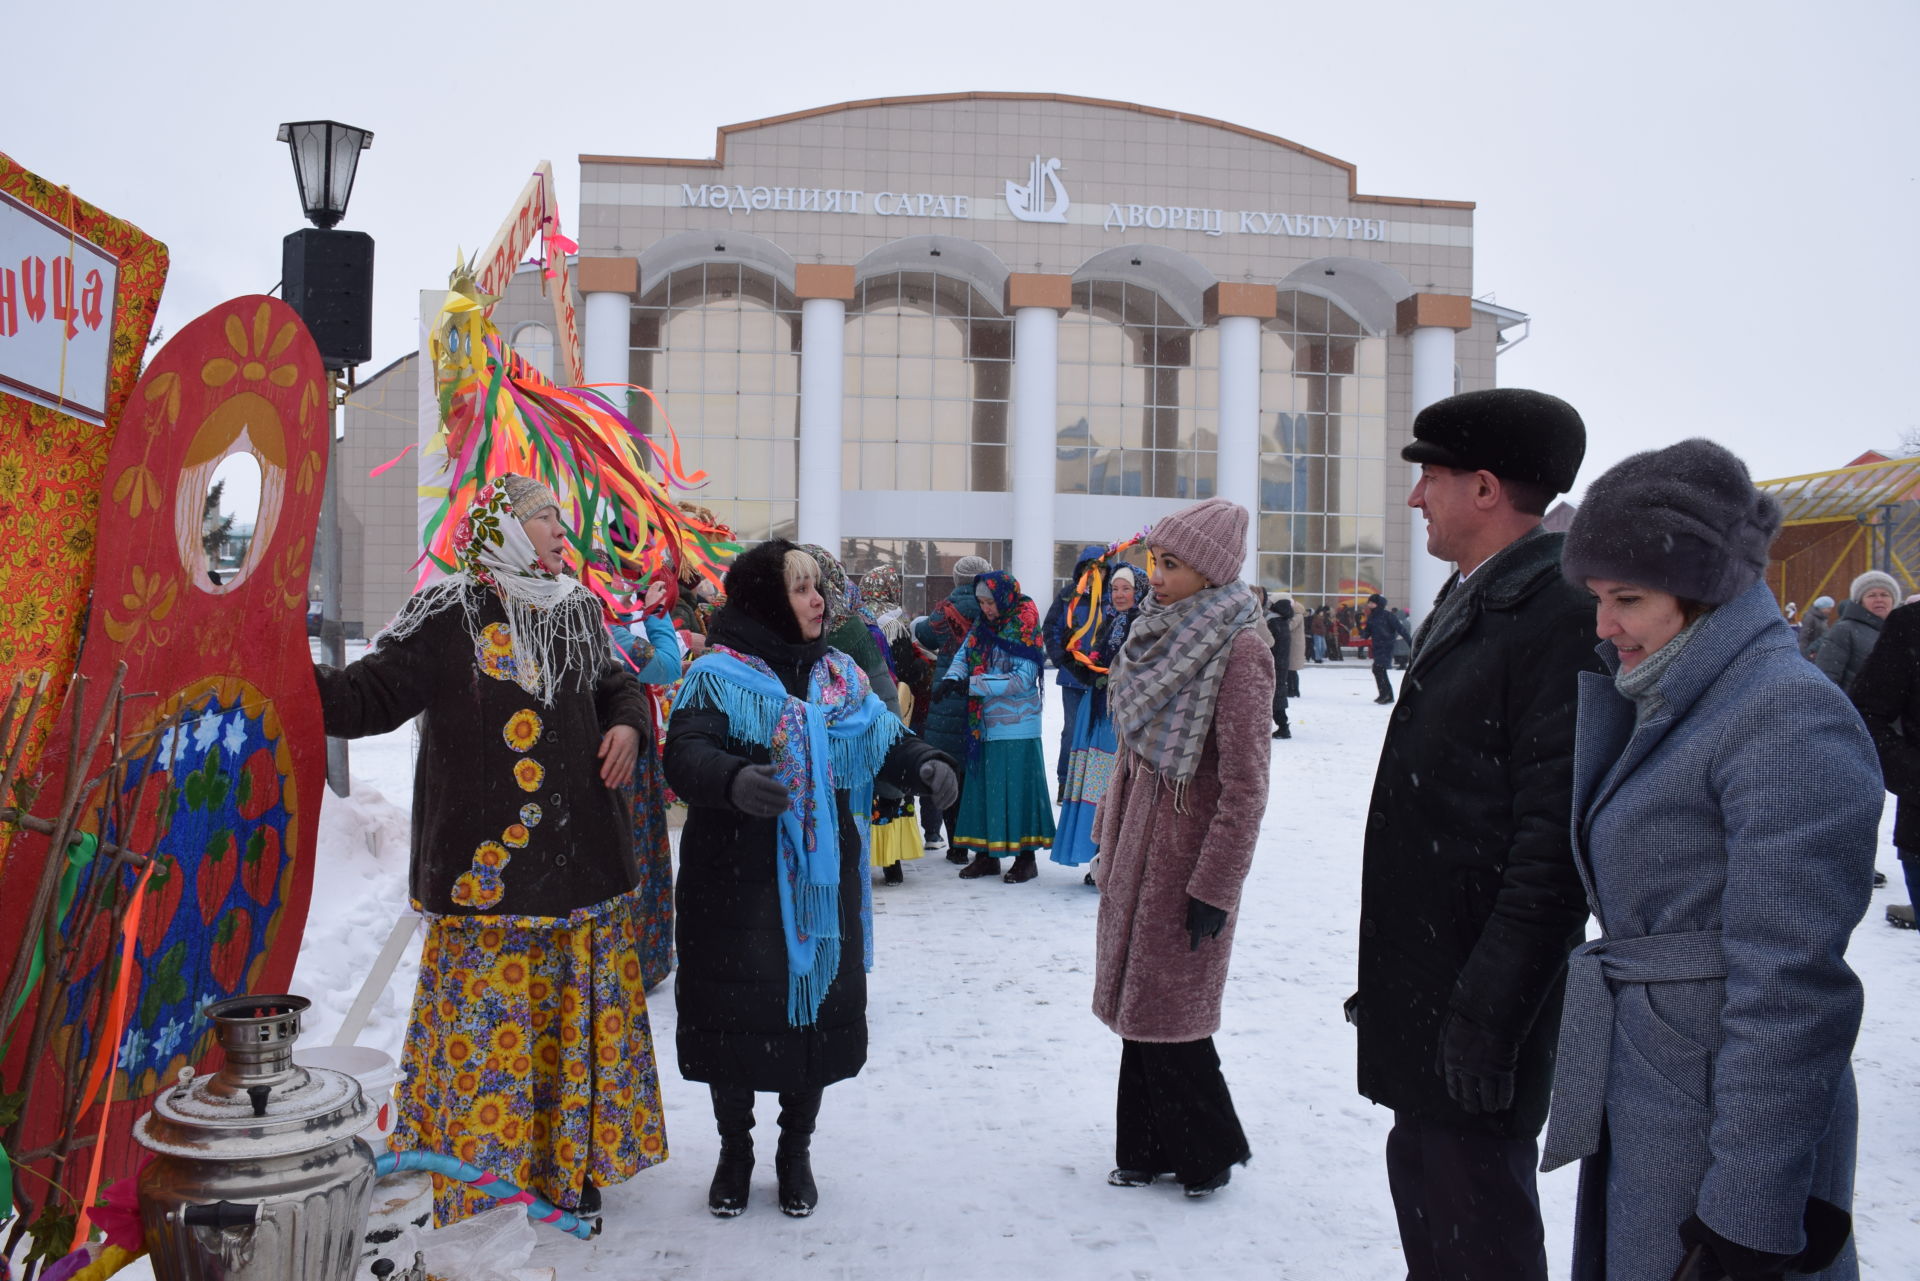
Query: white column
x=1036 y=407
x=1432 y=380
x=1238 y=465
x=823 y=340
x=603 y=345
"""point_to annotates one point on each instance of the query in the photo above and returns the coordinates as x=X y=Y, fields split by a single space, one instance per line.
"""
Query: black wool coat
x=731 y=986
x=473 y=787
x=1470 y=900
x=1887 y=693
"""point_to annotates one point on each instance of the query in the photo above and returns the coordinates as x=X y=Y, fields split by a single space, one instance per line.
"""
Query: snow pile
x=977 y=1141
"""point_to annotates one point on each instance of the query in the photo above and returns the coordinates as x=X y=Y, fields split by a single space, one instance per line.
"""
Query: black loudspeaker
x=327 y=277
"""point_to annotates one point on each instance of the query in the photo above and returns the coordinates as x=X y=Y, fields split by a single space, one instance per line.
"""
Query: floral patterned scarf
x=1016 y=633
x=837 y=738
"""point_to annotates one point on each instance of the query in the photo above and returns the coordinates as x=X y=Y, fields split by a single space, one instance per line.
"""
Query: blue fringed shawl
x=837 y=739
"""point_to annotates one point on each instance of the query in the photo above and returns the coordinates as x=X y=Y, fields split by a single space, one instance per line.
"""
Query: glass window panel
x=1106 y=471
x=1070 y=471
x=950 y=418
x=716 y=458
x=1372 y=357
x=719 y=415
x=952 y=379
x=849 y=465
x=1107 y=385
x=756 y=372
x=1371 y=485
x=989 y=469
x=1372 y=572
x=754 y=478
x=876 y=466
x=915 y=467
x=989 y=421
x=1370 y=395
x=916 y=378
x=993 y=340
x=1273 y=573
x=1205 y=467
x=1370 y=534
x=1368 y=436
x=916 y=335
x=1350 y=488
x=723 y=329
x=1275 y=534
x=1104 y=425
x=950 y=467
x=1074 y=384
x=1075 y=342
x=915 y=419
x=876 y=378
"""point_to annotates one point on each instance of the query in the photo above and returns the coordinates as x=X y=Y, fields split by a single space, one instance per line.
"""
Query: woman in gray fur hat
x=1726 y=809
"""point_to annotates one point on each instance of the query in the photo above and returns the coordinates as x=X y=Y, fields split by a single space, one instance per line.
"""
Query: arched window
x=928 y=370
x=1138 y=387
x=719 y=344
x=534 y=342
x=1323 y=463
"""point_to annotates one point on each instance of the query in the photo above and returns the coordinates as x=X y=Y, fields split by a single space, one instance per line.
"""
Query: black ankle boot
x=792 y=1159
x=733 y=1175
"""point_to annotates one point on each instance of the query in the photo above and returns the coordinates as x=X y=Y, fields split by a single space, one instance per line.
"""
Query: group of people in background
x=1691 y=787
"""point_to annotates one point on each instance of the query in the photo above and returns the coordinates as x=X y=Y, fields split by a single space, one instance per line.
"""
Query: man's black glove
x=1204 y=920
x=1827 y=1228
x=948 y=688
x=943 y=785
x=756 y=791
x=1477 y=1064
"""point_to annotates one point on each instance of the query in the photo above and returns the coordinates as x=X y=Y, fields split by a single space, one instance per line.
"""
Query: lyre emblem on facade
x=1043 y=198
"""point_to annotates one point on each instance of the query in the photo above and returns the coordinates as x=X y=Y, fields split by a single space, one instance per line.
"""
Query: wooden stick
x=19 y=747
x=8 y=814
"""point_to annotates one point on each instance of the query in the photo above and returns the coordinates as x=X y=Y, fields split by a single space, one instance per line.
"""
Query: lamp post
x=326 y=276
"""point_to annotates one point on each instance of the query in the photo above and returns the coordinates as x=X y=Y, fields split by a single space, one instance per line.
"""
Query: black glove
x=756 y=791
x=948 y=688
x=943 y=785
x=1477 y=1064
x=1827 y=1227
x=1204 y=920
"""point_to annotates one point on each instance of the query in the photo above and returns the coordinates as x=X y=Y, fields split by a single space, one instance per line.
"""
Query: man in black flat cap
x=1469 y=898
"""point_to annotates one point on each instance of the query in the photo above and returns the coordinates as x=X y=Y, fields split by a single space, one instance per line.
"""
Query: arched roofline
x=969 y=263
x=1367 y=291
x=697 y=248
x=1179 y=279
x=719 y=157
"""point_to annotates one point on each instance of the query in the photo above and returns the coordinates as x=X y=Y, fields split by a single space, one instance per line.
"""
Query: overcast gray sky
x=1709 y=209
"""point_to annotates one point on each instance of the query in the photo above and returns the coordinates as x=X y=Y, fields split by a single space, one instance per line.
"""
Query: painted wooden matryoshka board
x=244 y=771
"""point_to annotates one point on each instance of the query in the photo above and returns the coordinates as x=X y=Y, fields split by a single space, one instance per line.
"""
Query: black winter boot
x=982 y=865
x=791 y=1159
x=1024 y=869
x=733 y=1175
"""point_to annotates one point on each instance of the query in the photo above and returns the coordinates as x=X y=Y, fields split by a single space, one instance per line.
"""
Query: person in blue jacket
x=1004 y=805
x=1385 y=629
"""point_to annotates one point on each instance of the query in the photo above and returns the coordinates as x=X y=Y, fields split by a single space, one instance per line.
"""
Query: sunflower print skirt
x=529 y=1054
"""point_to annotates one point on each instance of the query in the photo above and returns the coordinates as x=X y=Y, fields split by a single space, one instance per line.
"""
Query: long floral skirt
x=654 y=853
x=1004 y=806
x=1089 y=768
x=529 y=1054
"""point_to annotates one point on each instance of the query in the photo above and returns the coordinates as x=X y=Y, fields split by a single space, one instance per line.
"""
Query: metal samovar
x=260 y=1173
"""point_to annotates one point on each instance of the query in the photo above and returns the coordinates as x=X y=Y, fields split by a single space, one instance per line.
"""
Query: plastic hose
x=539 y=1210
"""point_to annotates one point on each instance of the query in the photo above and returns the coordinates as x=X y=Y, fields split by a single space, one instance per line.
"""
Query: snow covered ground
x=977 y=1142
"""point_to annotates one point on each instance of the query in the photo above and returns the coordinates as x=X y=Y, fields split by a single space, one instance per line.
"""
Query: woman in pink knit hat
x=1190 y=697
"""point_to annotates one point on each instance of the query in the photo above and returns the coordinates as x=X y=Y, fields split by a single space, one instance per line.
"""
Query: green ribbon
x=80 y=852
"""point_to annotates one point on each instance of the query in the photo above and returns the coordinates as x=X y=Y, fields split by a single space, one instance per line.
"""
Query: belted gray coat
x=1727 y=848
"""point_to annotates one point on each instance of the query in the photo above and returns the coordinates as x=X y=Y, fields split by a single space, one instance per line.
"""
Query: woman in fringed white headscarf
x=529 y=1052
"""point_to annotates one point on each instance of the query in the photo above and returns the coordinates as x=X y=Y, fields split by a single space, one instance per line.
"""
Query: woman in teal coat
x=1726 y=808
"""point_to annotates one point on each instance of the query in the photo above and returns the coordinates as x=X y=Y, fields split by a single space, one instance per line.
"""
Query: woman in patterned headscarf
x=1090 y=758
x=529 y=1051
x=846 y=630
x=1004 y=805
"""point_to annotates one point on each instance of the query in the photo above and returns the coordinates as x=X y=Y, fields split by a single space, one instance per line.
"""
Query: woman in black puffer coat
x=735 y=990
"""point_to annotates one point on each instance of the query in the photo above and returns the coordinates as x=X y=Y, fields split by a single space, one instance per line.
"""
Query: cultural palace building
x=1009 y=325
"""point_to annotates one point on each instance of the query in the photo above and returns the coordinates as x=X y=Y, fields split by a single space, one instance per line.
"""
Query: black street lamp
x=325 y=155
x=326 y=276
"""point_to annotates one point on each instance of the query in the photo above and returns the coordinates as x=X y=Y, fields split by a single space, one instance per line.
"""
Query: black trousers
x=1468 y=1205
x=1293 y=682
x=1174 y=1111
x=1380 y=680
x=733 y=1114
x=1280 y=704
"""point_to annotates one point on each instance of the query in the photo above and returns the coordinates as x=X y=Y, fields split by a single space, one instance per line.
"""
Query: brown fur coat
x=1148 y=985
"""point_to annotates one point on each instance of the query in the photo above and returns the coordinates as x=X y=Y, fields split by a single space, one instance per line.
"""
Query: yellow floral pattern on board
x=54 y=469
x=530 y=1054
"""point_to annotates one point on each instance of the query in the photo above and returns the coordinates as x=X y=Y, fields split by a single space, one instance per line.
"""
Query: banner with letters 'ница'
x=78 y=292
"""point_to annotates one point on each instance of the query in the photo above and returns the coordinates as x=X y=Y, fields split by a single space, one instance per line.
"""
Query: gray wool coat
x=1732 y=832
x=1149 y=983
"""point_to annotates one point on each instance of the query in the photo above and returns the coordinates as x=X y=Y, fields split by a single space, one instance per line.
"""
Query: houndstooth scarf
x=1164 y=683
